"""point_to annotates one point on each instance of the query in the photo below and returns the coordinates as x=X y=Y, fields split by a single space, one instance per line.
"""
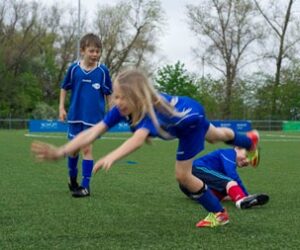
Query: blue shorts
x=213 y=179
x=192 y=141
x=75 y=128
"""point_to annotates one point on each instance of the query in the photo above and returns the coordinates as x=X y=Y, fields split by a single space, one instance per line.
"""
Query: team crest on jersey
x=96 y=86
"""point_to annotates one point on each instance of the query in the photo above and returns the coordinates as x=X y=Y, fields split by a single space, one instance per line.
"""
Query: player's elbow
x=140 y=137
x=139 y=142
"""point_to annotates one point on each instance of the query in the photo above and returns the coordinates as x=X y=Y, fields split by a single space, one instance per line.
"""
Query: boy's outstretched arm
x=48 y=152
x=129 y=146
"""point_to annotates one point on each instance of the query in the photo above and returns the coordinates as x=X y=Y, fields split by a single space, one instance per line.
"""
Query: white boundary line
x=284 y=136
x=279 y=138
x=65 y=137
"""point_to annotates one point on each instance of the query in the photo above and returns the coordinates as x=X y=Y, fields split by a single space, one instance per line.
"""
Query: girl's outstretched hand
x=46 y=152
x=105 y=163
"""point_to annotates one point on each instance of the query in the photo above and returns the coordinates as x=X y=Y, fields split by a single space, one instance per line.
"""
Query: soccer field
x=137 y=204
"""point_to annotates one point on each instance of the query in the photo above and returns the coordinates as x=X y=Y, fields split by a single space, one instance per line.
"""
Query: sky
x=177 y=41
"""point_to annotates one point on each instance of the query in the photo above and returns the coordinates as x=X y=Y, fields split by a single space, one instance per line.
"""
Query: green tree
x=210 y=95
x=36 y=44
x=129 y=32
x=288 y=100
x=43 y=111
x=175 y=80
x=227 y=31
x=289 y=93
x=284 y=34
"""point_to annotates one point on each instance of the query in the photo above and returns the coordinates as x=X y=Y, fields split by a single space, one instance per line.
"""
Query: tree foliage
x=128 y=31
x=226 y=31
x=44 y=111
x=286 y=35
x=288 y=99
x=37 y=43
x=175 y=80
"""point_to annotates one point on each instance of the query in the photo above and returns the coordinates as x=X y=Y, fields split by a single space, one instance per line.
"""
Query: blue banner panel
x=57 y=126
x=240 y=126
x=47 y=126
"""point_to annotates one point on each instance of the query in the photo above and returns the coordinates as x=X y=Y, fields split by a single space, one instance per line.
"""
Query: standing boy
x=91 y=87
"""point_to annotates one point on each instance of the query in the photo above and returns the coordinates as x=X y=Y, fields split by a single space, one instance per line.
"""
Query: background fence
x=14 y=123
x=262 y=125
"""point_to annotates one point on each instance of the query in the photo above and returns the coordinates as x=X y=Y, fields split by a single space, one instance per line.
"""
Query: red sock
x=218 y=194
x=236 y=193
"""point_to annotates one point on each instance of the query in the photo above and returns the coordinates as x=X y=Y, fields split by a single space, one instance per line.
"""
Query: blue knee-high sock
x=208 y=200
x=240 y=140
x=87 y=167
x=72 y=166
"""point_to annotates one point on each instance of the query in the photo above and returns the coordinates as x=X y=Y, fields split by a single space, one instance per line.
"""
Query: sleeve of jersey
x=112 y=117
x=107 y=85
x=147 y=124
x=229 y=163
x=67 y=81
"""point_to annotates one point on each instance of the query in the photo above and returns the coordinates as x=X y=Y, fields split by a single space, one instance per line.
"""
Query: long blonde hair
x=141 y=94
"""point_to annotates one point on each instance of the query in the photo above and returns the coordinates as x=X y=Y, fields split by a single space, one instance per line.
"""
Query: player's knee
x=87 y=152
x=194 y=196
x=182 y=178
x=184 y=190
x=74 y=154
x=231 y=184
x=220 y=134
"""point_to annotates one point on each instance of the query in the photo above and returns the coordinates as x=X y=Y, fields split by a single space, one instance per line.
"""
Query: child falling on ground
x=218 y=169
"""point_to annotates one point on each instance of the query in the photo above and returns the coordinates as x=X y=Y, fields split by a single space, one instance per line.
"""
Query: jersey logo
x=174 y=101
x=96 y=86
x=86 y=80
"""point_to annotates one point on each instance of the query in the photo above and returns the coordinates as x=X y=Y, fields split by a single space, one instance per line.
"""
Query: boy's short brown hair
x=90 y=39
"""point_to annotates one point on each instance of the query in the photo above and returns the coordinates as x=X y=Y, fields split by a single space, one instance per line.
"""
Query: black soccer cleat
x=73 y=185
x=252 y=200
x=81 y=192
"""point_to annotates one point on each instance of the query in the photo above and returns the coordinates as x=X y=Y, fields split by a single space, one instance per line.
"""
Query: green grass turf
x=139 y=206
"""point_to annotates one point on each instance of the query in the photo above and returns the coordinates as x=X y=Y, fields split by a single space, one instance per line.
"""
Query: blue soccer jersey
x=189 y=129
x=220 y=161
x=88 y=90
